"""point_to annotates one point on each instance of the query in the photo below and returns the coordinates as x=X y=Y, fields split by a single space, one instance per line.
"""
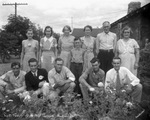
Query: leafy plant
x=101 y=106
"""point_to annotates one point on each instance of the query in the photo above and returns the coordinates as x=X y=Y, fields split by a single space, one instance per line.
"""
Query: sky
x=75 y=13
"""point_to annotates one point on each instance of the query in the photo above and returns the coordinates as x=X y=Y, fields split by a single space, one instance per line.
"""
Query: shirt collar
x=96 y=72
x=116 y=71
x=89 y=37
x=35 y=72
x=55 y=72
x=106 y=33
x=50 y=39
x=18 y=75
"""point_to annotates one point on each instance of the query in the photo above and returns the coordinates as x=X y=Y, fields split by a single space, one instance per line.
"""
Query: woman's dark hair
x=47 y=28
x=88 y=26
x=66 y=26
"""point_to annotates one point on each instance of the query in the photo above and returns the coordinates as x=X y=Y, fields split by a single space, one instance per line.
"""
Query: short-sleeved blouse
x=48 y=43
x=129 y=46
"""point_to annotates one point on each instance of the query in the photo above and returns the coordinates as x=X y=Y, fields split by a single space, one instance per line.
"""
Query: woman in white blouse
x=89 y=44
x=128 y=51
x=48 y=49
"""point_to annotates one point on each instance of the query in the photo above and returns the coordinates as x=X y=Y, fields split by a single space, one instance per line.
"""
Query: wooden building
x=139 y=21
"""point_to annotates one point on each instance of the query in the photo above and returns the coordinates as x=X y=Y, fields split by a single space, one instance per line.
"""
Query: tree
x=18 y=27
x=7 y=39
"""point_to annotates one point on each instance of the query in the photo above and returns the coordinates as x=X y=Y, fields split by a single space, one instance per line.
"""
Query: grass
x=4 y=67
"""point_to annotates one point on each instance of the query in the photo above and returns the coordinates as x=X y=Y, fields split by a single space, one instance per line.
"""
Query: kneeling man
x=13 y=82
x=121 y=78
x=36 y=79
x=61 y=79
x=92 y=79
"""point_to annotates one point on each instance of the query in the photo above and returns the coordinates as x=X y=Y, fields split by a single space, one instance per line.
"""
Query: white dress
x=89 y=54
x=48 y=47
x=30 y=47
x=67 y=44
x=126 y=51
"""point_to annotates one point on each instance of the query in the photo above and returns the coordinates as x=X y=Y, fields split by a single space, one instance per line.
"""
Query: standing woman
x=65 y=44
x=29 y=50
x=48 y=49
x=128 y=51
x=89 y=44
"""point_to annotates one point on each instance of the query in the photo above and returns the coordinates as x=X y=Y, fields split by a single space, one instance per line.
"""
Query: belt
x=76 y=63
x=47 y=50
x=109 y=50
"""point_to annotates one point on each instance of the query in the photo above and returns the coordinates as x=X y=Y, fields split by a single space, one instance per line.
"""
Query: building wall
x=139 y=23
x=134 y=22
x=145 y=26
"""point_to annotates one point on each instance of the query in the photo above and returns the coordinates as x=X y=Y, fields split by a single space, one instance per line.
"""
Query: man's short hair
x=117 y=58
x=15 y=64
x=77 y=38
x=59 y=59
x=32 y=60
x=106 y=22
x=29 y=29
x=94 y=60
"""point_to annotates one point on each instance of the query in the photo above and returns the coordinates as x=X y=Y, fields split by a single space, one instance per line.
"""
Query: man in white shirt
x=121 y=78
x=105 y=47
x=61 y=79
x=14 y=80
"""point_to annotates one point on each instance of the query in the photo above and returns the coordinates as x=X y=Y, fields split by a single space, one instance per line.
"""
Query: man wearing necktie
x=36 y=79
x=121 y=78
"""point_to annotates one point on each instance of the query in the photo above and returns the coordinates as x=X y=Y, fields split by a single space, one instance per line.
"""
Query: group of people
x=82 y=65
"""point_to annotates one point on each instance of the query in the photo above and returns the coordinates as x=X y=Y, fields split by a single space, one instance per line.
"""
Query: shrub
x=68 y=107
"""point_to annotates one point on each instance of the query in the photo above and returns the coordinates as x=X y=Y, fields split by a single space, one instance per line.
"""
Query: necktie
x=34 y=74
x=118 y=84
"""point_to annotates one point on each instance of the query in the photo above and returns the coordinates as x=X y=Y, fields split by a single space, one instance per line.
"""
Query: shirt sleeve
x=70 y=75
x=84 y=76
x=51 y=78
x=2 y=83
x=23 y=79
x=27 y=83
x=133 y=79
x=45 y=75
x=37 y=43
x=107 y=80
x=41 y=42
x=59 y=42
x=6 y=79
x=55 y=43
x=135 y=44
x=103 y=77
x=115 y=41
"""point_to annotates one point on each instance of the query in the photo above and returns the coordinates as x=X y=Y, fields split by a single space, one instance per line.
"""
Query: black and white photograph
x=74 y=59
